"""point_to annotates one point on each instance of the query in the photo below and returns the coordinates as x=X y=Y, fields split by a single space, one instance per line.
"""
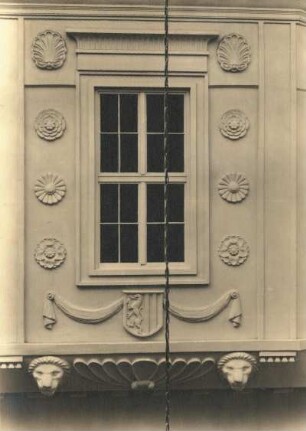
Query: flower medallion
x=233 y=188
x=49 y=50
x=234 y=53
x=50 y=125
x=233 y=250
x=50 y=253
x=50 y=189
x=234 y=124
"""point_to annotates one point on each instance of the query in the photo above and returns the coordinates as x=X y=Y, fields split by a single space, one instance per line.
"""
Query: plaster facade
x=240 y=66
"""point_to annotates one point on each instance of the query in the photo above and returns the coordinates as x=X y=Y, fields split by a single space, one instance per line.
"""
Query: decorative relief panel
x=49 y=372
x=50 y=188
x=236 y=368
x=143 y=311
x=233 y=187
x=50 y=125
x=143 y=373
x=49 y=50
x=50 y=253
x=233 y=250
x=234 y=124
x=234 y=53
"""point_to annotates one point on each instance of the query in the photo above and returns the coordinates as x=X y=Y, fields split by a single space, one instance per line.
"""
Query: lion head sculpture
x=48 y=371
x=236 y=368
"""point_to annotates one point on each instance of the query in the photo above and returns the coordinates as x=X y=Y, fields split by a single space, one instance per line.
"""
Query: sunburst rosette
x=233 y=187
x=50 y=188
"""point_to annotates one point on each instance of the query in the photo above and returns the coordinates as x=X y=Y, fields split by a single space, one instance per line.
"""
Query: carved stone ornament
x=49 y=50
x=236 y=368
x=50 y=189
x=50 y=125
x=277 y=357
x=233 y=188
x=233 y=250
x=50 y=253
x=234 y=124
x=143 y=373
x=143 y=311
x=234 y=53
x=11 y=362
x=49 y=372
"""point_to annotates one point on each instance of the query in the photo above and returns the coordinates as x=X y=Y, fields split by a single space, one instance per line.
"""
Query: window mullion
x=142 y=223
x=142 y=131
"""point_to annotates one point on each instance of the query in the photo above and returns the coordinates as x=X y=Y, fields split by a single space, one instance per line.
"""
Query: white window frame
x=195 y=269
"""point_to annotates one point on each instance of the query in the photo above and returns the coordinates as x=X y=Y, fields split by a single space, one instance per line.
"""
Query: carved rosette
x=233 y=250
x=234 y=124
x=234 y=53
x=233 y=188
x=50 y=189
x=50 y=253
x=50 y=125
x=49 y=50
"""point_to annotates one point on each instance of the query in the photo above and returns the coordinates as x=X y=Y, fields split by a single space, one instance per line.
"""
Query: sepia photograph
x=153 y=215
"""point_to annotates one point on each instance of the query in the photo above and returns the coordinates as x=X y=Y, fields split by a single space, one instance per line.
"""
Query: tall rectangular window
x=132 y=219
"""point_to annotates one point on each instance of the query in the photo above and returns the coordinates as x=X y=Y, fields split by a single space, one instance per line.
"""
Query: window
x=130 y=177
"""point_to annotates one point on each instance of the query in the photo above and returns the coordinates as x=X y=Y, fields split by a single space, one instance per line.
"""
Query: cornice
x=197 y=11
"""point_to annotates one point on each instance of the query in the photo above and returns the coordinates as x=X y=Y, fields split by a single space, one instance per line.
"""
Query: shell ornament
x=49 y=50
x=50 y=189
x=234 y=124
x=50 y=253
x=233 y=250
x=50 y=125
x=234 y=53
x=233 y=188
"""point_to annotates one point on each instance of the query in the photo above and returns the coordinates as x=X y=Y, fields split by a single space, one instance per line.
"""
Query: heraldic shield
x=143 y=312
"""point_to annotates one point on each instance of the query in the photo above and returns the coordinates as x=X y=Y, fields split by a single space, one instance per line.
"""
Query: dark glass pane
x=176 y=202
x=155 y=153
x=176 y=113
x=109 y=243
x=128 y=153
x=176 y=242
x=129 y=243
x=155 y=202
x=176 y=153
x=109 y=112
x=109 y=203
x=109 y=153
x=128 y=112
x=155 y=112
x=128 y=203
x=155 y=243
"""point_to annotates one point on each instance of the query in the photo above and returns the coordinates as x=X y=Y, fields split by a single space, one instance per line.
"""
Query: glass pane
x=176 y=113
x=109 y=112
x=176 y=202
x=176 y=153
x=176 y=242
x=129 y=243
x=155 y=113
x=128 y=113
x=155 y=153
x=109 y=153
x=155 y=203
x=109 y=203
x=129 y=153
x=109 y=243
x=155 y=243
x=128 y=203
